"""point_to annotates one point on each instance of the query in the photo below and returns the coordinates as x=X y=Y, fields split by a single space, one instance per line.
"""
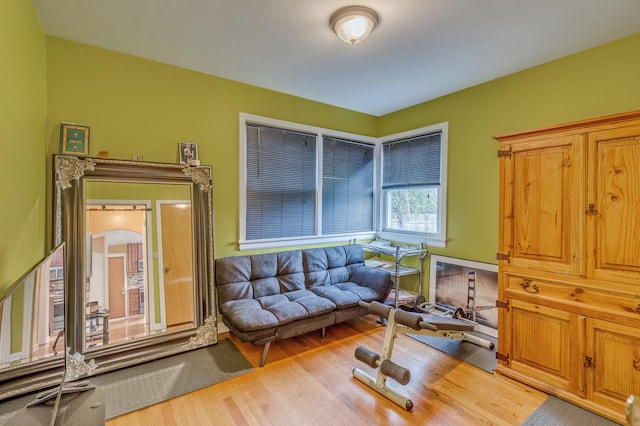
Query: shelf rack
x=397 y=269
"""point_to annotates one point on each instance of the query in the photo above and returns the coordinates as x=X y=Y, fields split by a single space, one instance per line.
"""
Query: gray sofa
x=273 y=296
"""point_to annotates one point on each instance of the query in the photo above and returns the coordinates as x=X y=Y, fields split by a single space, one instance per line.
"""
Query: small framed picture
x=189 y=153
x=74 y=139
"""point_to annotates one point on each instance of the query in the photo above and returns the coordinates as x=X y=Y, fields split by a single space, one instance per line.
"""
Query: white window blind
x=347 y=186
x=281 y=183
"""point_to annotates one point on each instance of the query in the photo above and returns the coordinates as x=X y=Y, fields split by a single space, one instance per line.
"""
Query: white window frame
x=318 y=238
x=440 y=238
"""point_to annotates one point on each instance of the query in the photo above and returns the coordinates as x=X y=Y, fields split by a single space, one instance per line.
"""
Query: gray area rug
x=140 y=386
x=465 y=351
x=556 y=412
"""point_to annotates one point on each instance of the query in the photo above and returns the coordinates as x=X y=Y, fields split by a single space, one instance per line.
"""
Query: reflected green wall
x=23 y=99
x=600 y=81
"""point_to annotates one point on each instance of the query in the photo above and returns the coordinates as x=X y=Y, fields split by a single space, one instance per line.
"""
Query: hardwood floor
x=307 y=381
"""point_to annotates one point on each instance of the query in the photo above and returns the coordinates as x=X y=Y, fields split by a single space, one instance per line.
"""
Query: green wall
x=140 y=107
x=600 y=81
x=22 y=120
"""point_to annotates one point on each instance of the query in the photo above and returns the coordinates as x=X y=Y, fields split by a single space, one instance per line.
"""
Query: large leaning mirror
x=139 y=240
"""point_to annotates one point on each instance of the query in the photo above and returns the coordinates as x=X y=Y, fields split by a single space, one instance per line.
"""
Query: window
x=347 y=186
x=301 y=183
x=414 y=185
x=281 y=183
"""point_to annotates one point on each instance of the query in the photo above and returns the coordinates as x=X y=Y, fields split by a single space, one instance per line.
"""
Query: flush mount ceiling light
x=354 y=23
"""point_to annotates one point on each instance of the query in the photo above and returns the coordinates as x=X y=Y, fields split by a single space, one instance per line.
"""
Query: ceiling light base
x=353 y=24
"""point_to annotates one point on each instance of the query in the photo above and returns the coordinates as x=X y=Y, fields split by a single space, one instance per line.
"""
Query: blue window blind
x=281 y=183
x=347 y=186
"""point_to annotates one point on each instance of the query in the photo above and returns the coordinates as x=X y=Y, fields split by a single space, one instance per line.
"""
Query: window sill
x=431 y=241
x=302 y=241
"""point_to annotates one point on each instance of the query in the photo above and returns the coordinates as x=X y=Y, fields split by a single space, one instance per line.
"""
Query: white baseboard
x=222 y=328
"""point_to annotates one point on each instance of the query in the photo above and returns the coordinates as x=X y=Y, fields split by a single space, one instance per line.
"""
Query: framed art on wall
x=188 y=153
x=74 y=139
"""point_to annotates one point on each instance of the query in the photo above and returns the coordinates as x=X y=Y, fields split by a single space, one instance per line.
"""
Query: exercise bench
x=429 y=324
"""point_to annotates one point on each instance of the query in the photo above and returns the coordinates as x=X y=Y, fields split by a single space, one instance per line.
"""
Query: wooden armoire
x=569 y=261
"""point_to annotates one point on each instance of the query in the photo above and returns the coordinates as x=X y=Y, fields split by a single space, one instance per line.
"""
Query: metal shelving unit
x=398 y=253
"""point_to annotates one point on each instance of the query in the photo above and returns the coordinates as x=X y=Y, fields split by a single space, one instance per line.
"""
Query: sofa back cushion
x=331 y=265
x=258 y=275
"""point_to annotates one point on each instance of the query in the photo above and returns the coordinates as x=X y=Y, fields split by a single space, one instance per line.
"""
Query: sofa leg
x=323 y=333
x=263 y=358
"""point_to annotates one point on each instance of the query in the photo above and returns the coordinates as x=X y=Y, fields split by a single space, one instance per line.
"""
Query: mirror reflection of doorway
x=116 y=287
x=117 y=281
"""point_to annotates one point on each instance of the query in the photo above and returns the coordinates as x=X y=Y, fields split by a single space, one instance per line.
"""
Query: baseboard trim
x=222 y=328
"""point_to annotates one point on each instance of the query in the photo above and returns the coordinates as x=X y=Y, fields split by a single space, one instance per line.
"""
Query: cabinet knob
x=635 y=365
x=526 y=286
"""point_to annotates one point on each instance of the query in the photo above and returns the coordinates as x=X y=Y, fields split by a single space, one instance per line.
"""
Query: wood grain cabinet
x=569 y=260
x=134 y=301
x=134 y=253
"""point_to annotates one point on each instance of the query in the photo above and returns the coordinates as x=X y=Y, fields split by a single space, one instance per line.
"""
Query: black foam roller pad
x=396 y=372
x=409 y=319
x=379 y=309
x=368 y=357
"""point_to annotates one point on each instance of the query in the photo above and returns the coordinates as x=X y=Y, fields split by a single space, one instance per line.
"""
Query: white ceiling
x=421 y=50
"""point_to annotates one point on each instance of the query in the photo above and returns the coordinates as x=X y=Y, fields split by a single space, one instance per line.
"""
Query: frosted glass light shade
x=354 y=23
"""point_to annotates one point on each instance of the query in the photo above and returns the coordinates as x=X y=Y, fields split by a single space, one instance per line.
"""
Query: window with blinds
x=282 y=192
x=411 y=181
x=301 y=184
x=280 y=183
x=347 y=186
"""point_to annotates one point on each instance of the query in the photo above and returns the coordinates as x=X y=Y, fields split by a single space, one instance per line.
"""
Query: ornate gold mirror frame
x=72 y=177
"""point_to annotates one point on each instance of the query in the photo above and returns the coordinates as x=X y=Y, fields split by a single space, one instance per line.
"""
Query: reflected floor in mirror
x=121 y=330
x=52 y=346
x=125 y=329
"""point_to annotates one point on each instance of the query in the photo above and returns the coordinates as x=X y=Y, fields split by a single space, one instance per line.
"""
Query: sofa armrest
x=376 y=279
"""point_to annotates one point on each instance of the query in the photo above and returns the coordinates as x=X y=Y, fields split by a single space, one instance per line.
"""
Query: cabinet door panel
x=539 y=220
x=617 y=200
x=615 y=373
x=544 y=344
x=543 y=191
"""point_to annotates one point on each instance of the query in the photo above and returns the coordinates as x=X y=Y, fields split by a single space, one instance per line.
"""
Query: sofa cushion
x=248 y=315
x=331 y=265
x=250 y=277
x=346 y=295
x=275 y=310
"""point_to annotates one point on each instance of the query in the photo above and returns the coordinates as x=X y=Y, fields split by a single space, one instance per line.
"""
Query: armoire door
x=543 y=343
x=543 y=190
x=613 y=368
x=615 y=193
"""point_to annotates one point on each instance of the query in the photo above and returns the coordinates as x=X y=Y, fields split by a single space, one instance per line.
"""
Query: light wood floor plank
x=308 y=381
